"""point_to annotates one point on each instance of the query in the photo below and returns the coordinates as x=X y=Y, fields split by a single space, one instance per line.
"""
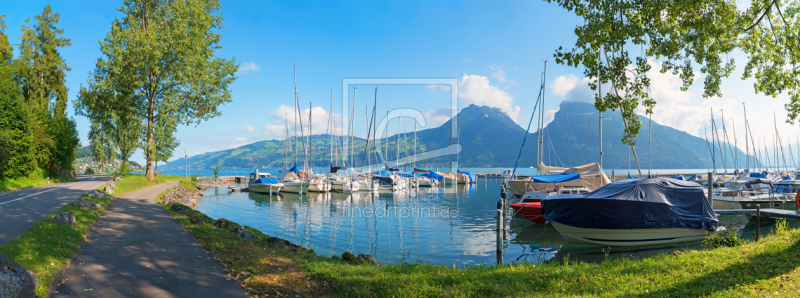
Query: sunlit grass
x=46 y=247
x=753 y=269
x=24 y=182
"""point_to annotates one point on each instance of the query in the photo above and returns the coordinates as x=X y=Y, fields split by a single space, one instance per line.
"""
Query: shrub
x=89 y=171
x=728 y=237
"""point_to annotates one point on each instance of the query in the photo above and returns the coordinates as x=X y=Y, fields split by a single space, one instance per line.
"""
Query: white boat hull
x=344 y=187
x=294 y=187
x=265 y=188
x=319 y=187
x=627 y=237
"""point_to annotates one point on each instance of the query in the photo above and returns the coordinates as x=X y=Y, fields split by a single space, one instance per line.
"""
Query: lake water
x=443 y=226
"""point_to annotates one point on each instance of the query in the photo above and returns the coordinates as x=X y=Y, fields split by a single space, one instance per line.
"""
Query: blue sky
x=495 y=48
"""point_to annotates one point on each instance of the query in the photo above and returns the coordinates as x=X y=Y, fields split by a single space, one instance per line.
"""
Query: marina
x=399 y=226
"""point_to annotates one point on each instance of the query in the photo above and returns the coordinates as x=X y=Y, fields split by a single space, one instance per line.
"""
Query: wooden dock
x=768 y=212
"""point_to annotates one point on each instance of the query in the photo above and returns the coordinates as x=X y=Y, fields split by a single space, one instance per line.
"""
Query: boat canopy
x=787 y=177
x=679 y=177
x=556 y=178
x=382 y=180
x=266 y=180
x=470 y=175
x=758 y=175
x=433 y=175
x=693 y=178
x=293 y=169
x=382 y=173
x=591 y=176
x=406 y=175
x=652 y=203
x=390 y=169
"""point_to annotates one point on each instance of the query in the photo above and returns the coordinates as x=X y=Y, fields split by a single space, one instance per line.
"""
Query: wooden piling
x=758 y=221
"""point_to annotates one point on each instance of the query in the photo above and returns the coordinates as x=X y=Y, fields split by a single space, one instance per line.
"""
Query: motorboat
x=265 y=184
x=591 y=177
x=468 y=177
x=529 y=210
x=318 y=183
x=553 y=185
x=344 y=184
x=749 y=192
x=633 y=212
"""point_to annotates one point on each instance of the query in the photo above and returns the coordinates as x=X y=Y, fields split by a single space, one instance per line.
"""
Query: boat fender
x=797 y=201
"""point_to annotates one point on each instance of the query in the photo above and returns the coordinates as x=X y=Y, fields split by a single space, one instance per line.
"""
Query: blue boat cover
x=433 y=175
x=758 y=175
x=692 y=178
x=679 y=177
x=471 y=177
x=787 y=177
x=407 y=175
x=293 y=169
x=382 y=180
x=382 y=173
x=629 y=176
x=556 y=178
x=653 y=203
x=266 y=180
x=390 y=169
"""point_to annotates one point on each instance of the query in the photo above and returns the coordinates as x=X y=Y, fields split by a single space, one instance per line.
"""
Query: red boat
x=530 y=210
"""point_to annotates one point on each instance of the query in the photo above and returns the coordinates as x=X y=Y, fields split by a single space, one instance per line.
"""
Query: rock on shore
x=64 y=218
x=182 y=194
x=86 y=204
x=16 y=281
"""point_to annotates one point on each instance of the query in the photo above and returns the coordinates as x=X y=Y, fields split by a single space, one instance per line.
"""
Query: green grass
x=31 y=181
x=46 y=247
x=131 y=182
x=752 y=269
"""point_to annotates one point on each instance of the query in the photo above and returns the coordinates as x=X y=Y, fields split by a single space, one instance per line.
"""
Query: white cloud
x=436 y=118
x=549 y=115
x=247 y=128
x=500 y=75
x=285 y=115
x=249 y=66
x=569 y=88
x=476 y=89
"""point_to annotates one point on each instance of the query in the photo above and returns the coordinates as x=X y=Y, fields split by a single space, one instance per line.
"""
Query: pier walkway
x=138 y=250
x=769 y=212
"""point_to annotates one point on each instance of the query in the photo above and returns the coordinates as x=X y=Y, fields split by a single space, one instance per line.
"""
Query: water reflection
x=445 y=225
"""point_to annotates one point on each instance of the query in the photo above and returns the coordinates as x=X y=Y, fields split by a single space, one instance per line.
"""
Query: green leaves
x=159 y=62
x=676 y=33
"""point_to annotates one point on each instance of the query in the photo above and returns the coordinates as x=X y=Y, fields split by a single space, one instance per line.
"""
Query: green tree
x=102 y=148
x=165 y=141
x=165 y=51
x=16 y=129
x=41 y=70
x=216 y=170
x=617 y=38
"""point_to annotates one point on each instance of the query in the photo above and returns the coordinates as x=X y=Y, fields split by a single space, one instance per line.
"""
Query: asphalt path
x=20 y=209
x=138 y=250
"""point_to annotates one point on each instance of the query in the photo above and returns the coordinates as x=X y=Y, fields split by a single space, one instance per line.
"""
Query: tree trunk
x=150 y=141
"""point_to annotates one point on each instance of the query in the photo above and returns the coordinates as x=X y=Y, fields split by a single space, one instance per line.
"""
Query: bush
x=89 y=171
x=728 y=237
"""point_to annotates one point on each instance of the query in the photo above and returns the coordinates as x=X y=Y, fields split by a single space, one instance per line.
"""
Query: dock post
x=500 y=229
x=710 y=188
x=613 y=176
x=758 y=221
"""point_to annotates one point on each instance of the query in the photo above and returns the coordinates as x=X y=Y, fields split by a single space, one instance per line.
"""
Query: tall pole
x=295 y=114
x=185 y=164
x=310 y=145
x=746 y=144
x=600 y=129
x=649 y=143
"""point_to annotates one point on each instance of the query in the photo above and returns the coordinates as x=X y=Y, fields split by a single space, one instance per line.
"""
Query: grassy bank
x=768 y=267
x=36 y=178
x=46 y=247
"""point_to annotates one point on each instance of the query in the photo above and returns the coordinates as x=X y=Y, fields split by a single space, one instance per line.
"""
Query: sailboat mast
x=331 y=131
x=286 y=143
x=397 y=143
x=310 y=145
x=649 y=143
x=415 y=144
x=295 y=114
x=746 y=144
x=600 y=129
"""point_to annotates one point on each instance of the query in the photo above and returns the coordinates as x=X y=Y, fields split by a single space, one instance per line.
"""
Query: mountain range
x=490 y=138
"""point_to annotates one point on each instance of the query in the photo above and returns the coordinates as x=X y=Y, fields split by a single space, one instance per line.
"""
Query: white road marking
x=17 y=199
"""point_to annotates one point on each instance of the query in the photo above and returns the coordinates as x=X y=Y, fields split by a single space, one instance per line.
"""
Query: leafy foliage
x=161 y=56
x=34 y=131
x=724 y=238
x=680 y=33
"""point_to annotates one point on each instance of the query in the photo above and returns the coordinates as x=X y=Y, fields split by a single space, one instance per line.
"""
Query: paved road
x=20 y=209
x=138 y=250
